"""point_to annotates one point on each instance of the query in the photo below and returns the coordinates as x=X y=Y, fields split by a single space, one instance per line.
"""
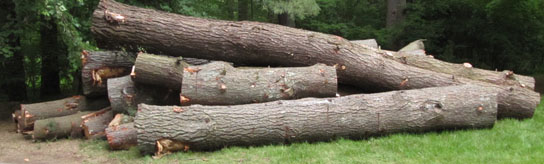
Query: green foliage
x=295 y=8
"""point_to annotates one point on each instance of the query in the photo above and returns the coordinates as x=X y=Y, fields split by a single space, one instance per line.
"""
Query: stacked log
x=267 y=44
x=59 y=127
x=98 y=66
x=95 y=124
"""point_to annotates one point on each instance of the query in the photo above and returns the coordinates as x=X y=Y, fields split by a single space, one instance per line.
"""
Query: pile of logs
x=250 y=83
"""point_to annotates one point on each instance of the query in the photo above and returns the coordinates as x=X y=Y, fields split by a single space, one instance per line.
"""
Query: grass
x=509 y=141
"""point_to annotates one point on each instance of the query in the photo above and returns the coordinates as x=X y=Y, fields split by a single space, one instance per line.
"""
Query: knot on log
x=113 y=18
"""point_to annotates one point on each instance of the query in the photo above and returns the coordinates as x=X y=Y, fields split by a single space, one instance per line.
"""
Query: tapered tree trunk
x=95 y=124
x=125 y=95
x=67 y=106
x=99 y=66
x=268 y=44
x=59 y=127
x=122 y=137
x=243 y=10
x=218 y=83
x=316 y=119
x=460 y=70
x=50 y=78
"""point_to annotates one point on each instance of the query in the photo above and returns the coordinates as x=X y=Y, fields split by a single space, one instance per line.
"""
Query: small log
x=15 y=118
x=59 y=127
x=94 y=124
x=122 y=137
x=159 y=70
x=120 y=119
x=315 y=119
x=125 y=95
x=98 y=66
x=218 y=83
x=67 y=106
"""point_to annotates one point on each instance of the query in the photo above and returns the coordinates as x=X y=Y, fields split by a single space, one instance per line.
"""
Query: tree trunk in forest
x=50 y=79
x=59 y=127
x=460 y=70
x=243 y=10
x=218 y=83
x=98 y=66
x=268 y=44
x=286 y=20
x=317 y=119
x=122 y=137
x=95 y=124
x=57 y=108
x=125 y=95
x=395 y=12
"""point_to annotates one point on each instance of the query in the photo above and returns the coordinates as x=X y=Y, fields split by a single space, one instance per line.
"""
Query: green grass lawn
x=509 y=141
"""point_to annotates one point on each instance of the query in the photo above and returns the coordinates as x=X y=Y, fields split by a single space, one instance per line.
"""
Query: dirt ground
x=15 y=149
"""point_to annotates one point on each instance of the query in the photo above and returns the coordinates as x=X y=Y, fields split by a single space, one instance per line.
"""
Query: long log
x=122 y=137
x=98 y=66
x=268 y=44
x=57 y=108
x=59 y=127
x=219 y=83
x=125 y=95
x=316 y=119
x=94 y=124
x=428 y=62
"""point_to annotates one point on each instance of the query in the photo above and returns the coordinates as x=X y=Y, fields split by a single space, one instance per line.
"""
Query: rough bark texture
x=122 y=137
x=159 y=70
x=98 y=66
x=317 y=119
x=59 y=127
x=57 y=108
x=218 y=83
x=95 y=124
x=125 y=95
x=268 y=44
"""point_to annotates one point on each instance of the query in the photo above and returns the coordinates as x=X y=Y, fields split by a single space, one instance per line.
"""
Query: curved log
x=98 y=66
x=218 y=83
x=315 y=119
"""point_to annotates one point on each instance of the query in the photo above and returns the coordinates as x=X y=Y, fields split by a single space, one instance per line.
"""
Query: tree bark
x=267 y=44
x=218 y=83
x=317 y=119
x=395 y=12
x=122 y=137
x=57 y=108
x=125 y=95
x=98 y=66
x=59 y=127
x=95 y=124
x=286 y=20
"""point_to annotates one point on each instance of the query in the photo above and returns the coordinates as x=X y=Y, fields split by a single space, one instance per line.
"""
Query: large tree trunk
x=218 y=83
x=98 y=66
x=268 y=44
x=59 y=127
x=317 y=119
x=57 y=108
x=122 y=137
x=395 y=12
x=125 y=95
x=95 y=124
